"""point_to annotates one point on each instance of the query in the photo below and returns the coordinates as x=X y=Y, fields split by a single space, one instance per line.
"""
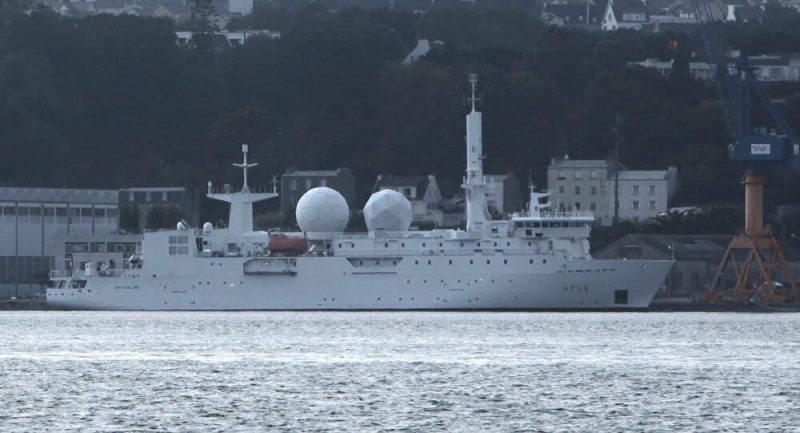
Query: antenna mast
x=244 y=166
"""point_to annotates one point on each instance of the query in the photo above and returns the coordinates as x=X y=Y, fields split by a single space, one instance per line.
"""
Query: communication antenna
x=474 y=99
x=244 y=166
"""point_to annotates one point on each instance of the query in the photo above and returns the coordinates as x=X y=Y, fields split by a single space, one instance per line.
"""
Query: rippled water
x=471 y=372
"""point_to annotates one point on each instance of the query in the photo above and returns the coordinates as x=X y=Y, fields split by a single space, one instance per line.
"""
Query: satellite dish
x=226 y=188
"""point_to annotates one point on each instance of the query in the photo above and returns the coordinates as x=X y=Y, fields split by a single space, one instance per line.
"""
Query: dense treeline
x=110 y=101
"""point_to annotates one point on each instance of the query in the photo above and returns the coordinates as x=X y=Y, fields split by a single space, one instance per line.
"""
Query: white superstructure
x=537 y=259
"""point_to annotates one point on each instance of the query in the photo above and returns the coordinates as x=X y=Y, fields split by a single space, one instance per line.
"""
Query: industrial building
x=30 y=221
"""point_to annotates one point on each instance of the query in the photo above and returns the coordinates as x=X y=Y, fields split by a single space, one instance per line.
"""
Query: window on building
x=22 y=211
x=636 y=190
x=86 y=211
x=139 y=196
x=9 y=210
x=561 y=189
x=594 y=190
x=293 y=184
x=592 y=206
x=163 y=196
x=578 y=174
x=577 y=205
x=562 y=174
x=594 y=174
x=652 y=205
x=577 y=190
x=652 y=190
x=636 y=205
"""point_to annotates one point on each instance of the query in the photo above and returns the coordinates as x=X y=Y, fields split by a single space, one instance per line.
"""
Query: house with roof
x=624 y=14
x=703 y=71
x=766 y=67
x=585 y=15
x=295 y=183
x=421 y=191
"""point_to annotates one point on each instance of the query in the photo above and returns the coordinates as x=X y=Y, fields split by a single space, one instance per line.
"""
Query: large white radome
x=388 y=210
x=322 y=209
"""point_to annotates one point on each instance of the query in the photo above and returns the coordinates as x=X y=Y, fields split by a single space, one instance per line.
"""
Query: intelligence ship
x=535 y=260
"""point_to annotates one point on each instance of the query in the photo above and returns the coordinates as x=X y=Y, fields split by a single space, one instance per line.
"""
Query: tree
x=162 y=217
x=203 y=26
x=129 y=218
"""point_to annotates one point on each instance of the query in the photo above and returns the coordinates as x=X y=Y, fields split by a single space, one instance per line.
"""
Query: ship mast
x=240 y=217
x=474 y=184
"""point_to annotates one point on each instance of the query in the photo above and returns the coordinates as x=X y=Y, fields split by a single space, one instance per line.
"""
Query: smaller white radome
x=322 y=210
x=387 y=210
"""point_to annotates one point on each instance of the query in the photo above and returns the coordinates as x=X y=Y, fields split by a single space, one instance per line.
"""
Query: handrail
x=555 y=214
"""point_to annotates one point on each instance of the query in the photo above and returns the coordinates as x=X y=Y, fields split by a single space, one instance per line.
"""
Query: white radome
x=322 y=210
x=388 y=210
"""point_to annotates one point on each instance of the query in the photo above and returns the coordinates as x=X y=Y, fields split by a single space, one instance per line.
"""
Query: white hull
x=332 y=283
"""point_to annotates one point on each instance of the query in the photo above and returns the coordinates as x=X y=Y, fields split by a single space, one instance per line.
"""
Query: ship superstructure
x=536 y=259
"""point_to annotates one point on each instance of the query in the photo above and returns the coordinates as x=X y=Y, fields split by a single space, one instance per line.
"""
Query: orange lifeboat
x=283 y=243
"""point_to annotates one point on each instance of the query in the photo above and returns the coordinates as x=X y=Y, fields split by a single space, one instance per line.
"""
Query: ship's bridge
x=542 y=222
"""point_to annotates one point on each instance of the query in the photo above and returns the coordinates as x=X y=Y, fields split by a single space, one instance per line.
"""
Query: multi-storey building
x=592 y=185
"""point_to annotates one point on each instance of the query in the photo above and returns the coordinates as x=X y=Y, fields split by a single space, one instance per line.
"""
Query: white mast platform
x=240 y=218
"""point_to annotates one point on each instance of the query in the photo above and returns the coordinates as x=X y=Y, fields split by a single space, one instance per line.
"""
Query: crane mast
x=754 y=255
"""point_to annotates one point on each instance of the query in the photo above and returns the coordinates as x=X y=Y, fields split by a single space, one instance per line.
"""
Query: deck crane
x=754 y=255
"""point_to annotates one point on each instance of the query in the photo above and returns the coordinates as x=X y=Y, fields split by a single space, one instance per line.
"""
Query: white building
x=241 y=7
x=643 y=194
x=589 y=185
x=30 y=221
